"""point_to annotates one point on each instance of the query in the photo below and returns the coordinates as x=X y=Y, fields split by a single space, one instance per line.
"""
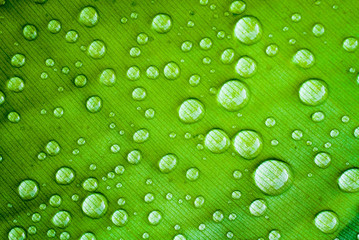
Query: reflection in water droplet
x=304 y=58
x=88 y=16
x=350 y=44
x=154 y=217
x=237 y=7
x=162 y=23
x=94 y=104
x=61 y=219
x=248 y=30
x=318 y=30
x=95 y=205
x=349 y=180
x=97 y=49
x=28 y=189
x=258 y=207
x=191 y=111
x=313 y=92
x=217 y=141
x=65 y=175
x=30 y=32
x=248 y=144
x=108 y=77
x=322 y=159
x=327 y=221
x=167 y=163
x=233 y=95
x=246 y=67
x=119 y=218
x=17 y=233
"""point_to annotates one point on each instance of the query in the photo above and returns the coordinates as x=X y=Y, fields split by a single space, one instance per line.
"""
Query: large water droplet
x=350 y=44
x=65 y=175
x=30 y=32
x=313 y=92
x=61 y=219
x=233 y=95
x=94 y=104
x=322 y=159
x=17 y=233
x=97 y=49
x=349 y=180
x=258 y=207
x=191 y=111
x=28 y=189
x=246 y=67
x=172 y=71
x=141 y=135
x=18 y=60
x=54 y=26
x=108 y=77
x=248 y=30
x=327 y=221
x=304 y=58
x=167 y=163
x=318 y=30
x=162 y=23
x=237 y=7
x=15 y=84
x=248 y=144
x=88 y=16
x=154 y=217
x=52 y=148
x=95 y=205
x=273 y=177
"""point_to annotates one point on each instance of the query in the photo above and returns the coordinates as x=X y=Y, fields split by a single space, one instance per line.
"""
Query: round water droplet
x=167 y=163
x=350 y=44
x=95 y=205
x=119 y=218
x=192 y=174
x=52 y=148
x=248 y=144
x=154 y=217
x=80 y=81
x=18 y=60
x=233 y=95
x=327 y=221
x=2 y=98
x=141 y=135
x=186 y=46
x=313 y=92
x=194 y=80
x=88 y=236
x=179 y=237
x=152 y=72
x=65 y=175
x=88 y=16
x=28 y=189
x=273 y=177
x=318 y=116
x=217 y=141
x=248 y=30
x=142 y=38
x=274 y=235
x=246 y=67
x=30 y=32
x=205 y=43
x=134 y=157
x=96 y=49
x=90 y=184
x=227 y=56
x=108 y=77
x=17 y=233
x=258 y=207
x=318 y=30
x=172 y=71
x=297 y=135
x=191 y=111
x=272 y=50
x=94 y=104
x=162 y=23
x=58 y=112
x=15 y=84
x=296 y=17
x=133 y=73
x=349 y=180
x=218 y=216
x=61 y=219
x=139 y=94
x=304 y=58
x=149 y=197
x=237 y=7
x=54 y=26
x=71 y=36
x=55 y=200
x=13 y=117
x=322 y=159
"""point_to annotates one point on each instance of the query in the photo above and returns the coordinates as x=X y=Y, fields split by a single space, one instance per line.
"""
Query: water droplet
x=162 y=23
x=179 y=237
x=192 y=174
x=194 y=80
x=246 y=67
x=172 y=71
x=65 y=175
x=304 y=58
x=273 y=177
x=154 y=217
x=149 y=197
x=13 y=117
x=95 y=205
x=55 y=200
x=248 y=144
x=272 y=50
x=18 y=60
x=17 y=233
x=236 y=194
x=191 y=111
x=134 y=157
x=318 y=116
x=297 y=135
x=237 y=7
x=152 y=72
x=270 y=122
x=90 y=184
x=30 y=32
x=52 y=148
x=28 y=189
x=327 y=221
x=88 y=16
x=15 y=84
x=97 y=49
x=318 y=30
x=218 y=216
x=217 y=141
x=94 y=104
x=119 y=218
x=248 y=30
x=61 y=219
x=349 y=180
x=71 y=36
x=258 y=207
x=350 y=44
x=233 y=95
x=186 y=46
x=205 y=43
x=274 y=235
x=313 y=92
x=322 y=159
x=227 y=56
x=142 y=38
x=141 y=135
x=133 y=73
x=108 y=77
x=2 y=97
x=54 y=26
x=139 y=94
x=58 y=112
x=167 y=163
x=296 y=17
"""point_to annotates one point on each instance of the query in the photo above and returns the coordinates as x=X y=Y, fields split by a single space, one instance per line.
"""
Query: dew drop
x=233 y=95
x=349 y=180
x=248 y=30
x=28 y=189
x=95 y=205
x=258 y=207
x=313 y=92
x=94 y=104
x=61 y=219
x=350 y=44
x=15 y=84
x=304 y=58
x=248 y=144
x=30 y=32
x=327 y=221
x=217 y=141
x=191 y=111
x=96 y=49
x=162 y=23
x=246 y=67
x=167 y=163
x=154 y=217
x=88 y=16
x=119 y=218
x=322 y=159
x=108 y=77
